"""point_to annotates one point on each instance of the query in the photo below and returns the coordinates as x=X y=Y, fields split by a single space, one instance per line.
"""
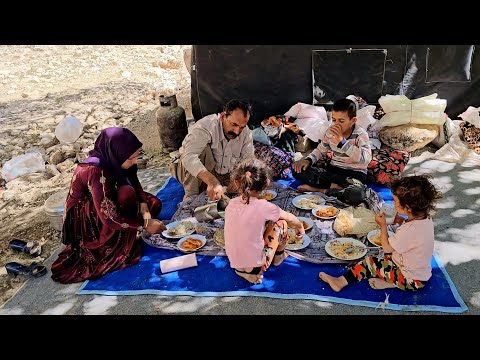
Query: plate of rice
x=307 y=201
x=337 y=248
x=297 y=244
x=178 y=229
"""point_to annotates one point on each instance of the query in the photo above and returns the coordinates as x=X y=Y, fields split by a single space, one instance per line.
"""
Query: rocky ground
x=101 y=86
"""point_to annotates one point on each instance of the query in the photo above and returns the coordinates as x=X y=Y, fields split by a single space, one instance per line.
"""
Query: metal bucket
x=54 y=207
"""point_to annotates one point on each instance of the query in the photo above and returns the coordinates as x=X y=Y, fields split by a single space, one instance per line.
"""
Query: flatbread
x=219 y=238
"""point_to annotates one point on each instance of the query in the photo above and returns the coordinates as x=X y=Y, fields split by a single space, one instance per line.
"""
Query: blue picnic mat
x=293 y=279
x=171 y=194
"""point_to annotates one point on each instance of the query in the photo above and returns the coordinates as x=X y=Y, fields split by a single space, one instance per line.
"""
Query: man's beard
x=231 y=133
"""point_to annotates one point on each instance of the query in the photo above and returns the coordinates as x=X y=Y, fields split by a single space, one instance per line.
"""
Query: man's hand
x=301 y=165
x=214 y=188
x=336 y=134
x=215 y=192
x=144 y=211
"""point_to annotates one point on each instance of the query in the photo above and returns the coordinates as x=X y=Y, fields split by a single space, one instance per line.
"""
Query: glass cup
x=328 y=134
x=390 y=212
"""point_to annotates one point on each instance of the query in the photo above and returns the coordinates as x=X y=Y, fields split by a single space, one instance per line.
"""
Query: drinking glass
x=390 y=212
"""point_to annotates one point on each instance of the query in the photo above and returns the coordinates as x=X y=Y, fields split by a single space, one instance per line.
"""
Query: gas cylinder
x=171 y=123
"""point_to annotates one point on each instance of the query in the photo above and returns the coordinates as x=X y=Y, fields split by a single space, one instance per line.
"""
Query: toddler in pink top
x=255 y=229
x=408 y=253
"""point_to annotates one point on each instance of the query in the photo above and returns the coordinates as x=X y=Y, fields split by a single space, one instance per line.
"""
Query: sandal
x=34 y=269
x=29 y=247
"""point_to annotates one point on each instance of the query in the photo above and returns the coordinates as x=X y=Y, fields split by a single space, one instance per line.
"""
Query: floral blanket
x=320 y=234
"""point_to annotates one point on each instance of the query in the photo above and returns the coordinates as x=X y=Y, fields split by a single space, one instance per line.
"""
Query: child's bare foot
x=252 y=278
x=379 y=284
x=336 y=283
x=278 y=259
x=305 y=188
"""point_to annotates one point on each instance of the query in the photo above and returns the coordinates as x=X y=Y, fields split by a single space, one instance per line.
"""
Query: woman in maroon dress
x=105 y=210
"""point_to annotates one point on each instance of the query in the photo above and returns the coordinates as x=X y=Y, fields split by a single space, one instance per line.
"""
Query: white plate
x=323 y=207
x=270 y=192
x=342 y=244
x=376 y=232
x=202 y=238
x=306 y=242
x=307 y=220
x=172 y=225
x=307 y=196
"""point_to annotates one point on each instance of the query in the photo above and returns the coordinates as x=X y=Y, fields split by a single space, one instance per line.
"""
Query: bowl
x=374 y=234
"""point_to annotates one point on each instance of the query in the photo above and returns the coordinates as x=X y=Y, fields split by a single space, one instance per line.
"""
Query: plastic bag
x=472 y=116
x=261 y=136
x=445 y=132
x=69 y=129
x=23 y=164
x=355 y=221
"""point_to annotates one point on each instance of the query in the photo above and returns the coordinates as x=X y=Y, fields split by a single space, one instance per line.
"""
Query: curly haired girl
x=408 y=253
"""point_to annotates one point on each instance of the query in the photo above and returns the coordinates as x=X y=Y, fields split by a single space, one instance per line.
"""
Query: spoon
x=350 y=249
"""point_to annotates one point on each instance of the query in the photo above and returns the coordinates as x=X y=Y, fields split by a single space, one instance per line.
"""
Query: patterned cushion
x=386 y=164
x=278 y=160
x=471 y=135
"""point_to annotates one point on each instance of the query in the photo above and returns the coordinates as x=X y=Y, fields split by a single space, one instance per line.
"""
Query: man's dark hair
x=234 y=104
x=345 y=105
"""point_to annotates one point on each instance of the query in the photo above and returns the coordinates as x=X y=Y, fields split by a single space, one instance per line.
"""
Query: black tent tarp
x=275 y=77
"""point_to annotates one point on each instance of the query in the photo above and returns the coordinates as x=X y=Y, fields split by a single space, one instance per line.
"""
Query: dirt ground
x=101 y=86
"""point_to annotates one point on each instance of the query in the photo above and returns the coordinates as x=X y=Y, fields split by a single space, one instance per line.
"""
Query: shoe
x=31 y=247
x=34 y=269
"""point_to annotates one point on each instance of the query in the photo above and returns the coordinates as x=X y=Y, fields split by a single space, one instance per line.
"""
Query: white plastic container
x=390 y=212
x=54 y=207
x=69 y=130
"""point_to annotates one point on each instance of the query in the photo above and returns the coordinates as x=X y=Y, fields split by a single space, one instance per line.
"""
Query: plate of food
x=268 y=195
x=191 y=243
x=325 y=212
x=306 y=222
x=307 y=201
x=178 y=229
x=346 y=248
x=374 y=236
x=297 y=244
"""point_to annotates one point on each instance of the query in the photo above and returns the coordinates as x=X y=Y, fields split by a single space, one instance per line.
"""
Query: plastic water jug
x=69 y=129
